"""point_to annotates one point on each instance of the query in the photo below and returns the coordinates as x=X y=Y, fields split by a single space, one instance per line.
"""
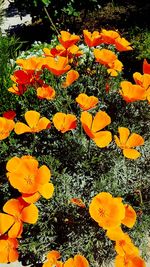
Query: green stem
x=50 y=19
x=88 y=150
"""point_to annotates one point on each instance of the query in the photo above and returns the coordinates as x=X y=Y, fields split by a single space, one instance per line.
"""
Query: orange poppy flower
x=71 y=77
x=32 y=63
x=107 y=211
x=146 y=67
x=17 y=211
x=9 y=114
x=24 y=175
x=52 y=259
x=64 y=122
x=8 y=252
x=93 y=127
x=109 y=36
x=132 y=92
x=36 y=124
x=57 y=66
x=125 y=246
x=122 y=44
x=18 y=89
x=67 y=39
x=86 y=102
x=6 y=126
x=92 y=39
x=127 y=142
x=63 y=52
x=115 y=67
x=77 y=261
x=104 y=56
x=143 y=81
x=130 y=216
x=46 y=92
x=129 y=261
x=78 y=202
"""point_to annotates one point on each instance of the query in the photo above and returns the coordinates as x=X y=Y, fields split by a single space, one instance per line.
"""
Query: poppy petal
x=46 y=190
x=130 y=216
x=31 y=198
x=43 y=124
x=6 y=221
x=86 y=120
x=16 y=230
x=21 y=128
x=135 y=140
x=80 y=261
x=123 y=134
x=30 y=214
x=13 y=207
x=43 y=175
x=12 y=164
x=32 y=118
x=102 y=138
x=131 y=153
x=100 y=121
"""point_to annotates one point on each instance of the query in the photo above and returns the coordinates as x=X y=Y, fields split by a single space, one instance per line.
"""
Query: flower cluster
x=110 y=212
x=52 y=75
x=54 y=256
x=32 y=182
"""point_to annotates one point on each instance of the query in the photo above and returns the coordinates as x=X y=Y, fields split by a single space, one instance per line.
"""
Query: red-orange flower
x=18 y=89
x=6 y=126
x=17 y=211
x=24 y=175
x=46 y=92
x=9 y=114
x=122 y=44
x=77 y=261
x=36 y=124
x=67 y=39
x=132 y=92
x=93 y=127
x=146 y=67
x=129 y=261
x=127 y=142
x=8 y=251
x=107 y=211
x=109 y=36
x=78 y=202
x=57 y=66
x=86 y=102
x=71 y=77
x=92 y=39
x=64 y=122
